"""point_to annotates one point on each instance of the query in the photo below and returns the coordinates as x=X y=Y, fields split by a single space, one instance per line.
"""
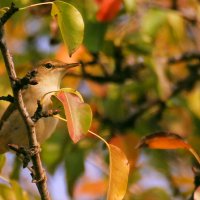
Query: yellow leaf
x=119 y=170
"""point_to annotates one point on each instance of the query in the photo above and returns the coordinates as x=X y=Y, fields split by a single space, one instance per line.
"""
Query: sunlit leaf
x=3 y=11
x=78 y=114
x=163 y=140
x=71 y=24
x=167 y=140
x=177 y=26
x=130 y=5
x=153 y=20
x=126 y=142
x=13 y=192
x=119 y=170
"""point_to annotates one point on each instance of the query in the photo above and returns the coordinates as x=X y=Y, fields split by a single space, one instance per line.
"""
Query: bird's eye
x=48 y=65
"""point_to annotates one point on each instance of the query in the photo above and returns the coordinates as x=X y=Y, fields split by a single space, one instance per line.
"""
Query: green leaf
x=71 y=24
x=2 y=161
x=78 y=114
x=74 y=164
x=130 y=5
x=153 y=20
x=176 y=26
x=94 y=35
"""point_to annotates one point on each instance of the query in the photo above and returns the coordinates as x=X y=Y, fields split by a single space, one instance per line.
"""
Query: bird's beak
x=69 y=65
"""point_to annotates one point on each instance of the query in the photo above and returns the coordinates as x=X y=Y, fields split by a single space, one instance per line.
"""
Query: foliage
x=139 y=73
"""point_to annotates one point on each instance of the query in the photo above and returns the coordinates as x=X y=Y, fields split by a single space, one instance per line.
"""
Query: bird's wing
x=10 y=109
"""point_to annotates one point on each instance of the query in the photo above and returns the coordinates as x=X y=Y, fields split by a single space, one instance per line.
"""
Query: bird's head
x=50 y=72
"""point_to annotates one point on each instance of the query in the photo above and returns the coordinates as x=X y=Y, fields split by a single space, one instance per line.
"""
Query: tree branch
x=40 y=176
x=8 y=98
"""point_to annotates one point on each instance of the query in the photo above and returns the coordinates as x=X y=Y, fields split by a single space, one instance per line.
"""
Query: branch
x=28 y=79
x=39 y=113
x=8 y=98
x=129 y=72
x=39 y=172
x=184 y=57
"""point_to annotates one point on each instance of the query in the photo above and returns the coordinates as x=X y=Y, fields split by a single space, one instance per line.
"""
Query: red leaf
x=78 y=115
x=108 y=10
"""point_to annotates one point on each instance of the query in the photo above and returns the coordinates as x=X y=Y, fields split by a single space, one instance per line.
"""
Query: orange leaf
x=92 y=188
x=164 y=140
x=126 y=143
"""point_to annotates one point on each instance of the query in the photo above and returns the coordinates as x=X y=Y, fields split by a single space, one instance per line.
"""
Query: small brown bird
x=12 y=127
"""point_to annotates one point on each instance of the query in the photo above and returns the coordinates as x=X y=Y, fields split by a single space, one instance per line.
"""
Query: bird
x=49 y=74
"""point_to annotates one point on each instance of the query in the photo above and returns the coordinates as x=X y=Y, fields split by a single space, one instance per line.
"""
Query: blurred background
x=140 y=74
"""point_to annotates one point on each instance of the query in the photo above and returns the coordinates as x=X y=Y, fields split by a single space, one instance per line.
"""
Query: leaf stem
x=194 y=153
x=37 y=4
x=99 y=138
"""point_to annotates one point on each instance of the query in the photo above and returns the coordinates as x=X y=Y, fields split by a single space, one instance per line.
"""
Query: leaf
x=108 y=10
x=71 y=24
x=153 y=20
x=13 y=192
x=3 y=11
x=94 y=35
x=78 y=114
x=126 y=142
x=74 y=164
x=167 y=140
x=2 y=161
x=92 y=188
x=163 y=140
x=176 y=26
x=119 y=170
x=130 y=5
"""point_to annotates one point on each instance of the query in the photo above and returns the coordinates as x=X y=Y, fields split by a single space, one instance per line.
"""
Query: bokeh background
x=140 y=74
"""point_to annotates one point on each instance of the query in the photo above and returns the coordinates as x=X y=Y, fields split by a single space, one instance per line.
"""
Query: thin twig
x=8 y=98
x=39 y=113
x=39 y=172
